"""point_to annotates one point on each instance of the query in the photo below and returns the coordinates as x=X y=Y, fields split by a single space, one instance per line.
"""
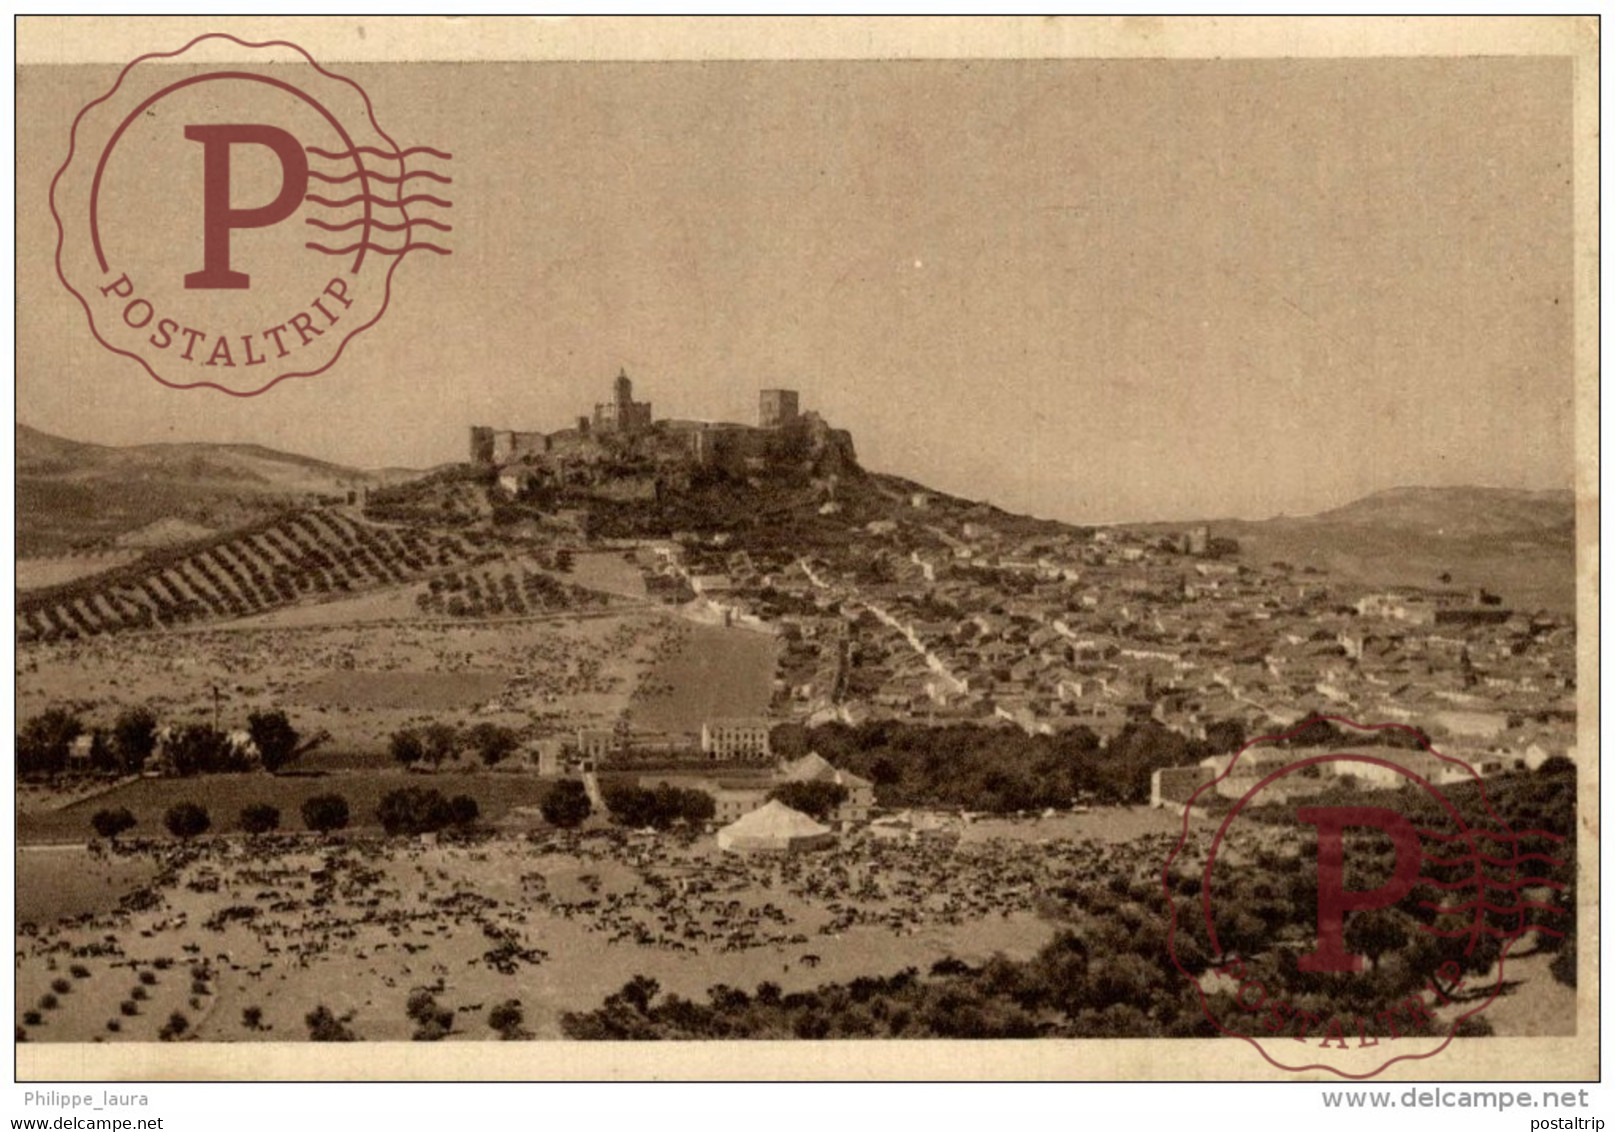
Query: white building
x=744 y=737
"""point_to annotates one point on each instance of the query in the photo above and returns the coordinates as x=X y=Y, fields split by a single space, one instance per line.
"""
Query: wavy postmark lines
x=189 y=196
x=1347 y=907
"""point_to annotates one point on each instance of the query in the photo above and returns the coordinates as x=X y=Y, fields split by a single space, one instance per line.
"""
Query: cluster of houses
x=1049 y=631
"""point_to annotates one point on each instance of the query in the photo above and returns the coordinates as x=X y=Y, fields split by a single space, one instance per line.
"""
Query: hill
x=73 y=495
x=1519 y=544
x=1463 y=512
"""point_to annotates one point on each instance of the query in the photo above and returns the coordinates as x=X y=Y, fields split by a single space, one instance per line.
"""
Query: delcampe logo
x=230 y=224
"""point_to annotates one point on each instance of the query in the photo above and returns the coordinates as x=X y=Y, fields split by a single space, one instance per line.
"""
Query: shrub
x=414 y=809
x=260 y=818
x=252 y=1017
x=324 y=1026
x=134 y=737
x=815 y=799
x=61 y=986
x=325 y=813
x=32 y=1018
x=442 y=742
x=128 y=1008
x=277 y=740
x=110 y=823
x=186 y=820
x=200 y=748
x=506 y=1019
x=44 y=741
x=406 y=747
x=492 y=743
x=176 y=1026
x=420 y=1005
x=148 y=977
x=79 y=971
x=463 y=810
x=567 y=804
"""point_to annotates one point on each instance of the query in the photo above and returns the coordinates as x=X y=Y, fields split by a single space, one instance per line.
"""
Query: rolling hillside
x=1519 y=544
x=308 y=555
x=73 y=496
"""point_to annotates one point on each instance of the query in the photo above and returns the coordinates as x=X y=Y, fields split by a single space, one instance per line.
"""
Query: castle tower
x=481 y=445
x=622 y=413
x=777 y=408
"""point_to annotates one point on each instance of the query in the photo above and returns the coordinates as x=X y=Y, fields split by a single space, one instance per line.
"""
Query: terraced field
x=304 y=555
x=509 y=587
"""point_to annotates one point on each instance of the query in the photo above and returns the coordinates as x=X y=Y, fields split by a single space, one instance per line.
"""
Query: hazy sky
x=1087 y=290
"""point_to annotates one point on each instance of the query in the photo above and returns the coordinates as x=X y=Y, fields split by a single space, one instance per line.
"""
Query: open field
x=356 y=925
x=362 y=682
x=58 y=882
x=558 y=921
x=702 y=671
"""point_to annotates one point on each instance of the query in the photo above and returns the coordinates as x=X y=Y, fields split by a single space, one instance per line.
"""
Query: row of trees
x=437 y=743
x=1002 y=769
x=45 y=744
x=660 y=807
x=410 y=810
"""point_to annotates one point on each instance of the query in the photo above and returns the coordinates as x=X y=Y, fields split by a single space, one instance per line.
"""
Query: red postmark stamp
x=1350 y=906
x=229 y=224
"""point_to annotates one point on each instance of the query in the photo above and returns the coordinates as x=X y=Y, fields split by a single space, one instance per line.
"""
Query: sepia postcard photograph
x=827 y=548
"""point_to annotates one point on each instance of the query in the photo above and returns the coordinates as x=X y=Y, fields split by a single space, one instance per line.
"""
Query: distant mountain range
x=1460 y=512
x=1519 y=544
x=72 y=495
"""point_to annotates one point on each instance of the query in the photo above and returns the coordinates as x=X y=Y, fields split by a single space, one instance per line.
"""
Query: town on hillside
x=639 y=713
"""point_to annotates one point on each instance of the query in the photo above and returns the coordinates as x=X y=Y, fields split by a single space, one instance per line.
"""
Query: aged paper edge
x=69 y=40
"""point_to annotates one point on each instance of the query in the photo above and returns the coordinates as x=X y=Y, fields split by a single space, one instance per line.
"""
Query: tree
x=406 y=748
x=567 y=804
x=260 y=817
x=432 y=1023
x=102 y=757
x=413 y=810
x=463 y=810
x=639 y=992
x=277 y=740
x=492 y=743
x=45 y=740
x=110 y=823
x=1373 y=932
x=325 y=813
x=816 y=799
x=788 y=740
x=199 y=748
x=324 y=1026
x=698 y=807
x=186 y=820
x=134 y=737
x=442 y=742
x=506 y=1019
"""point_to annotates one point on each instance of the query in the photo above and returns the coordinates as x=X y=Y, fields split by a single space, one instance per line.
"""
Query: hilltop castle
x=622 y=439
